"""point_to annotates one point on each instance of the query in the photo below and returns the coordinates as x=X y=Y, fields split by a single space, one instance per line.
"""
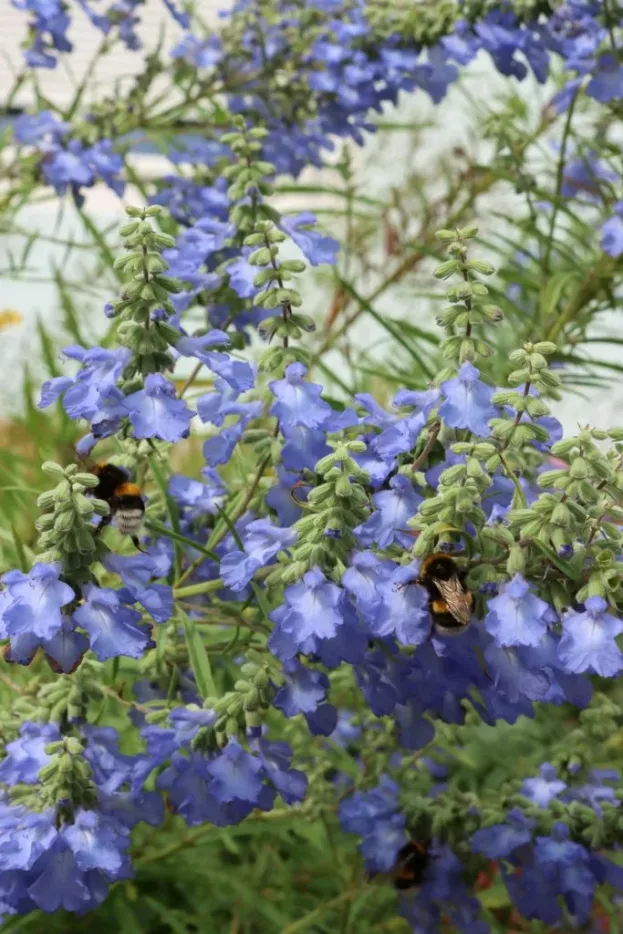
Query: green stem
x=559 y=178
x=153 y=526
x=195 y=590
x=304 y=922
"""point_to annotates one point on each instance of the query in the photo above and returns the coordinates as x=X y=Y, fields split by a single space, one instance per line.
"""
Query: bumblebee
x=449 y=601
x=410 y=866
x=127 y=508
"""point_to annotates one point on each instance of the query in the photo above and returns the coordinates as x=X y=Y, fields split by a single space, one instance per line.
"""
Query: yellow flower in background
x=9 y=318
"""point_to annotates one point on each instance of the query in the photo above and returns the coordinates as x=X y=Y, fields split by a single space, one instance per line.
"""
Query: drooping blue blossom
x=196 y=495
x=275 y=758
x=588 y=640
x=297 y=402
x=137 y=573
x=501 y=840
x=235 y=774
x=84 y=395
x=606 y=83
x=467 y=401
x=26 y=756
x=315 y=246
x=202 y=53
x=403 y=609
x=394 y=507
x=156 y=411
x=544 y=787
x=262 y=542
x=312 y=608
x=516 y=616
x=376 y=817
x=65 y=650
x=612 y=232
x=114 y=629
x=36 y=601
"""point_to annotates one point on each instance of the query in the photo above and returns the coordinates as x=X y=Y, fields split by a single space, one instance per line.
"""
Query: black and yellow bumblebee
x=449 y=600
x=410 y=867
x=124 y=498
x=408 y=871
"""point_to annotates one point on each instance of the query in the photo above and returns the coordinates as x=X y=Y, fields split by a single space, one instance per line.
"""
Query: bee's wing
x=458 y=601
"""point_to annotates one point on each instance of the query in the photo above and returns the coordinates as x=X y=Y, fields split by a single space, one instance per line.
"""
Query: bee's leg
x=106 y=520
x=136 y=544
x=399 y=587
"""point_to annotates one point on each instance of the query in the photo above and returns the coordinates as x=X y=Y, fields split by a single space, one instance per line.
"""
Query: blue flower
x=612 y=232
x=262 y=542
x=156 y=412
x=543 y=788
x=114 y=629
x=375 y=816
x=32 y=128
x=500 y=840
x=222 y=402
x=275 y=757
x=65 y=650
x=558 y=848
x=25 y=835
x=137 y=572
x=26 y=756
x=513 y=676
x=588 y=640
x=202 y=53
x=403 y=610
x=317 y=248
x=84 y=395
x=303 y=691
x=197 y=496
x=607 y=82
x=298 y=403
x=516 y=616
x=467 y=401
x=37 y=599
x=312 y=608
x=242 y=275
x=394 y=507
x=97 y=842
x=361 y=577
x=235 y=774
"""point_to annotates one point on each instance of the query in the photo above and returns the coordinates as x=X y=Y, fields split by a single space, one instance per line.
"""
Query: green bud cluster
x=532 y=373
x=580 y=507
x=441 y=518
x=146 y=290
x=66 y=531
x=239 y=710
x=66 y=781
x=333 y=509
x=248 y=177
x=424 y=23
x=286 y=324
x=469 y=308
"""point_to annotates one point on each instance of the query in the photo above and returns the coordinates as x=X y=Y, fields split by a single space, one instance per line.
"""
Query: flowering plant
x=273 y=663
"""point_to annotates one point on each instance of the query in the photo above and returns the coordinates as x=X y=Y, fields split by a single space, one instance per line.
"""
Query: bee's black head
x=440 y=567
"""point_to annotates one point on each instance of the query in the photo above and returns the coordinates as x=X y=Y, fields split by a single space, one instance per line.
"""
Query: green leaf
x=392 y=327
x=173 y=514
x=22 y=560
x=554 y=289
x=48 y=350
x=199 y=659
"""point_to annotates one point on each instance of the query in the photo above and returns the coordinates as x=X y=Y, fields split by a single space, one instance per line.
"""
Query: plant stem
x=559 y=178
